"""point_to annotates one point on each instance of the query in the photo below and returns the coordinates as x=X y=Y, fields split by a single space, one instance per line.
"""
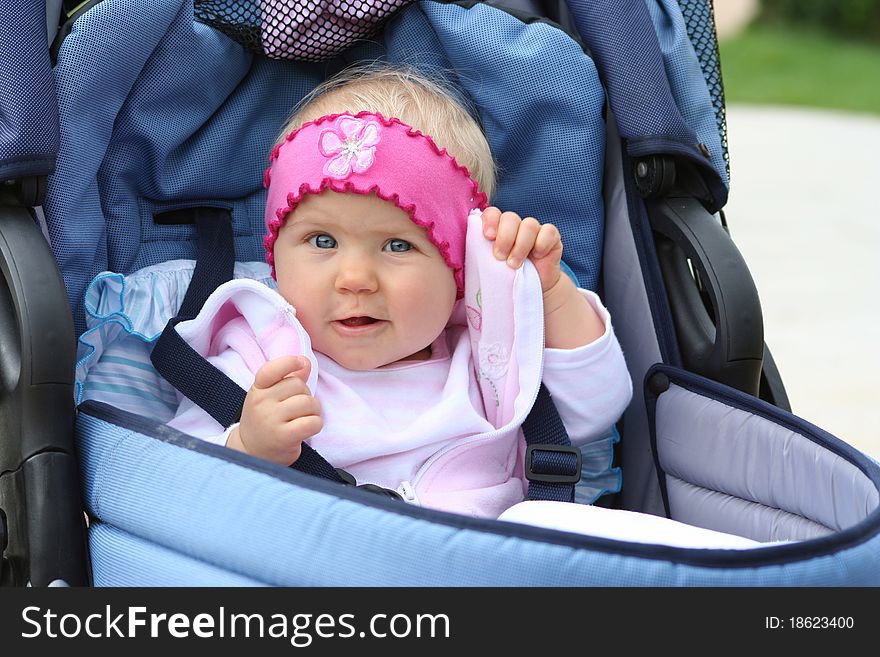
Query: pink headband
x=365 y=153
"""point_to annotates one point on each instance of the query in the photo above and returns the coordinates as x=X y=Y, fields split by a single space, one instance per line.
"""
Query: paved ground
x=804 y=212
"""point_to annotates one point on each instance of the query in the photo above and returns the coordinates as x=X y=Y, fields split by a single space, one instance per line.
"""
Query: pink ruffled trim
x=480 y=199
x=410 y=131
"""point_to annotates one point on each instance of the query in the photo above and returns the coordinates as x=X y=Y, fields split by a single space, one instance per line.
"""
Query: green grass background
x=781 y=65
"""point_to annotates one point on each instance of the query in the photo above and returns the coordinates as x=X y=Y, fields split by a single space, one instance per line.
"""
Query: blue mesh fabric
x=187 y=117
x=700 y=23
x=28 y=114
x=623 y=41
x=183 y=119
x=687 y=80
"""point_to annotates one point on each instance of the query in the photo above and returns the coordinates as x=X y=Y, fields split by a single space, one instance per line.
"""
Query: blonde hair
x=426 y=104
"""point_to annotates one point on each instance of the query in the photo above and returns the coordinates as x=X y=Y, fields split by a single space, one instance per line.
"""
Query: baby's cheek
x=432 y=307
x=302 y=304
x=306 y=316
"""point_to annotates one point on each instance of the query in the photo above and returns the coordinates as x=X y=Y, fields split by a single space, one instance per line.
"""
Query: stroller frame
x=660 y=215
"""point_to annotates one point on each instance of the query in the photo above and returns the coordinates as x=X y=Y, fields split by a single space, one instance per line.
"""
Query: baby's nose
x=357 y=276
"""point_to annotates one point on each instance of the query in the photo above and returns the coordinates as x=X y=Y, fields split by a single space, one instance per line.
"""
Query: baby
x=413 y=323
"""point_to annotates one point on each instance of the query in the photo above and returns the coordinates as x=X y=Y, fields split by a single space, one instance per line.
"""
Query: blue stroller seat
x=606 y=119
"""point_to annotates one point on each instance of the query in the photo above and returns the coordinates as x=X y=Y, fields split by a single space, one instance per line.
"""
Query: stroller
x=611 y=126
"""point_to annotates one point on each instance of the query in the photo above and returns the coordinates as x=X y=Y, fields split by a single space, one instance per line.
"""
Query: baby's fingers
x=490 y=217
x=547 y=241
x=529 y=229
x=302 y=405
x=508 y=227
x=277 y=369
x=303 y=428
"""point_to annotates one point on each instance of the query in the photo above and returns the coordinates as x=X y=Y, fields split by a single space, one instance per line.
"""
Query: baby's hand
x=279 y=412
x=517 y=239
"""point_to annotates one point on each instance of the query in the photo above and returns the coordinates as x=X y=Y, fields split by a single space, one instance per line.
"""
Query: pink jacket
x=244 y=323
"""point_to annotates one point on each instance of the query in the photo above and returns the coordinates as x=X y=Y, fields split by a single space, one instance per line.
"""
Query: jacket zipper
x=408 y=492
x=412 y=485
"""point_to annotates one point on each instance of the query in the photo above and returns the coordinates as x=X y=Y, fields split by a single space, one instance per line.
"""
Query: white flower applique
x=494 y=359
x=349 y=147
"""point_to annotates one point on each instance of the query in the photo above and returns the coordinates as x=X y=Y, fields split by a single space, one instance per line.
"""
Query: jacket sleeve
x=590 y=385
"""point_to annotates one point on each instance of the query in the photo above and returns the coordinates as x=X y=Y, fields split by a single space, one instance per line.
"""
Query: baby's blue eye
x=322 y=241
x=398 y=246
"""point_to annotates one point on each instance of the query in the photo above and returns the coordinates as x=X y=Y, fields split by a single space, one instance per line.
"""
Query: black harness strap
x=552 y=464
x=186 y=369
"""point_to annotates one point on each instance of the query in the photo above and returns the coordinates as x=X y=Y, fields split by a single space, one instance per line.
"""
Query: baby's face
x=368 y=285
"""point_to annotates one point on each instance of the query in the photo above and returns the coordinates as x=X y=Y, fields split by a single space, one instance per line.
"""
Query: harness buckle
x=553 y=468
x=348 y=479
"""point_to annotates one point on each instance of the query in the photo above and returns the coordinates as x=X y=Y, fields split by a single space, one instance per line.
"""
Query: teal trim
x=91 y=348
x=119 y=360
x=153 y=385
x=91 y=309
x=128 y=390
x=598 y=477
x=567 y=270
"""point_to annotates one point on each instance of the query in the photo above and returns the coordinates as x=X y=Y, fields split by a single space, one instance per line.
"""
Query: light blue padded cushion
x=158 y=499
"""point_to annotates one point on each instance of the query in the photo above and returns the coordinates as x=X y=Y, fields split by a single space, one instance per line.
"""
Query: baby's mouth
x=358 y=321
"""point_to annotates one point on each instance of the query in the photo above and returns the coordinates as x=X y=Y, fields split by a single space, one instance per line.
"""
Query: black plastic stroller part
x=30 y=191
x=39 y=481
x=4 y=541
x=695 y=313
x=713 y=299
x=772 y=389
x=349 y=479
